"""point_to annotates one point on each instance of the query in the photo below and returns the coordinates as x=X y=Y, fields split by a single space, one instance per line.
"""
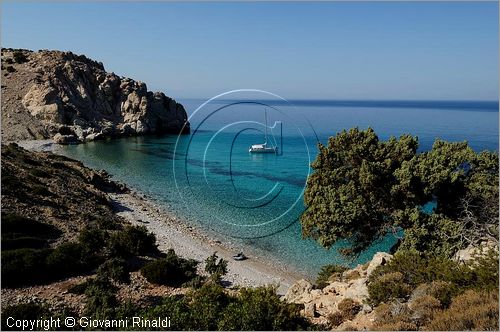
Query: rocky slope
x=56 y=190
x=72 y=98
x=320 y=305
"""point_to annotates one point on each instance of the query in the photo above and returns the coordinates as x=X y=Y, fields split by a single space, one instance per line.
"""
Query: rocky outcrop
x=320 y=304
x=473 y=251
x=73 y=96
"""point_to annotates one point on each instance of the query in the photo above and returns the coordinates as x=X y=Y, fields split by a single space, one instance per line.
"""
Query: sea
x=253 y=202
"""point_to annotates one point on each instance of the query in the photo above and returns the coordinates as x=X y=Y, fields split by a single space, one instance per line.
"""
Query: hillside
x=71 y=98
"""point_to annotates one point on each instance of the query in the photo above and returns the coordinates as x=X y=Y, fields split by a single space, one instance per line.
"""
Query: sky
x=322 y=50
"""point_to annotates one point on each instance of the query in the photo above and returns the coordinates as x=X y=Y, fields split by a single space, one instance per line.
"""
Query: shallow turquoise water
x=210 y=179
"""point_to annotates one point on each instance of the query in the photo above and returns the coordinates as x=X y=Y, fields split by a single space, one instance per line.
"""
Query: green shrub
x=260 y=309
x=387 y=287
x=215 y=268
x=23 y=311
x=327 y=272
x=177 y=308
x=132 y=241
x=206 y=306
x=93 y=241
x=413 y=269
x=114 y=269
x=171 y=270
x=24 y=267
x=196 y=282
x=212 y=308
x=101 y=298
x=440 y=290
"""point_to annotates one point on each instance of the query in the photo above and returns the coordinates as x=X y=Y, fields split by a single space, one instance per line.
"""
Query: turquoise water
x=254 y=200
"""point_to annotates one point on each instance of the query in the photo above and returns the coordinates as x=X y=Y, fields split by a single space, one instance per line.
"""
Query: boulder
x=298 y=291
x=380 y=258
x=65 y=139
x=310 y=309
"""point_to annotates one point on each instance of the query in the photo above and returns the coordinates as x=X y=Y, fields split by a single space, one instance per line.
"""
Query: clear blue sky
x=321 y=50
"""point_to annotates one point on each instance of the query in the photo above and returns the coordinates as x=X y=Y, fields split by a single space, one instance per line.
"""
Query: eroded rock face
x=319 y=304
x=61 y=89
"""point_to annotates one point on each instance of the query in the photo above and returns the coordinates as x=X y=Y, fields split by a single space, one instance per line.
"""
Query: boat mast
x=265 y=114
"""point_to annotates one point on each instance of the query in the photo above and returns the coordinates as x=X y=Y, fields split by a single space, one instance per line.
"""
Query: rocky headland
x=72 y=99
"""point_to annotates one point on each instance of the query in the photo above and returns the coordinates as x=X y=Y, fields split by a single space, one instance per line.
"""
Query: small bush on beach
x=216 y=268
x=171 y=270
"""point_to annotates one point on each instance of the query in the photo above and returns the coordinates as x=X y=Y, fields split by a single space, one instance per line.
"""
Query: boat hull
x=267 y=150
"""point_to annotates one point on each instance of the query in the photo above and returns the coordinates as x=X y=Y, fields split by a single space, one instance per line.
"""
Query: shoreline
x=188 y=241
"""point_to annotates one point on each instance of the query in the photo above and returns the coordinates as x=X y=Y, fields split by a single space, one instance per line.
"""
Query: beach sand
x=173 y=233
x=189 y=242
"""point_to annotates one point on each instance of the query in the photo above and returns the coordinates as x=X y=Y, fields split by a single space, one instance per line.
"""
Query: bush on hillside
x=407 y=270
x=19 y=57
x=347 y=310
x=114 y=269
x=171 y=270
x=23 y=311
x=471 y=310
x=260 y=309
x=132 y=241
x=327 y=272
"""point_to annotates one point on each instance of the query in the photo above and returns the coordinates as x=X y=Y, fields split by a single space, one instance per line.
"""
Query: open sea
x=253 y=201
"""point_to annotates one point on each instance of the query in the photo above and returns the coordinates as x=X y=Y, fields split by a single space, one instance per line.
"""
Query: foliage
x=215 y=268
x=131 y=241
x=362 y=187
x=347 y=310
x=393 y=316
x=407 y=270
x=423 y=309
x=171 y=270
x=23 y=311
x=114 y=269
x=34 y=266
x=327 y=272
x=101 y=298
x=261 y=309
x=470 y=311
x=212 y=308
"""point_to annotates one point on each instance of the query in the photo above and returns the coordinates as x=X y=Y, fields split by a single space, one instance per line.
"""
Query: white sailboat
x=263 y=148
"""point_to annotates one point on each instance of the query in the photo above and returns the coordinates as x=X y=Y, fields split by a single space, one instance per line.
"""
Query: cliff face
x=73 y=99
